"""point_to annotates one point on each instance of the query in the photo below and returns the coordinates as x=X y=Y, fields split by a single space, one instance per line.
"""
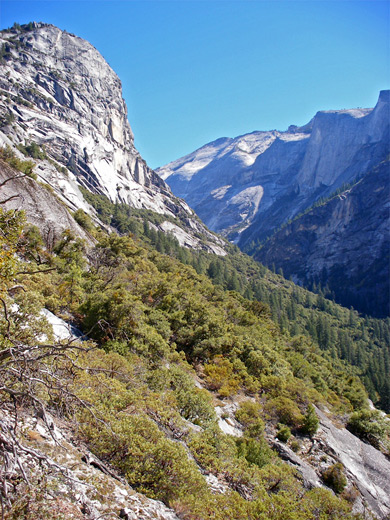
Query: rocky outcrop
x=365 y=466
x=40 y=204
x=343 y=243
x=58 y=93
x=79 y=485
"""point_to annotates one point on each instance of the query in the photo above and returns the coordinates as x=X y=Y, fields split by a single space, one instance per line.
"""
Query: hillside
x=190 y=389
x=342 y=243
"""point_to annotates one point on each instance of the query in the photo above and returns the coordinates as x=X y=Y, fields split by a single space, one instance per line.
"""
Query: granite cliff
x=248 y=186
x=344 y=243
x=59 y=95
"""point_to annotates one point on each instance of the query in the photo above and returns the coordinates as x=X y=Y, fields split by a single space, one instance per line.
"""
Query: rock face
x=84 y=487
x=41 y=206
x=246 y=187
x=58 y=92
x=367 y=467
x=343 y=243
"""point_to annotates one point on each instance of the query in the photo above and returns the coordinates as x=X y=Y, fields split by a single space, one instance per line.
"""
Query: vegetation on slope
x=342 y=333
x=159 y=325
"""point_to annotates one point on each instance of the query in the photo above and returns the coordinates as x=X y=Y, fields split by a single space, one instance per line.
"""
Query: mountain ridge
x=250 y=159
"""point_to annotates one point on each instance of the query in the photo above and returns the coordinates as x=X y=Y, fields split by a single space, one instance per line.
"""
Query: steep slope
x=344 y=243
x=61 y=103
x=42 y=207
x=176 y=365
x=181 y=363
x=248 y=186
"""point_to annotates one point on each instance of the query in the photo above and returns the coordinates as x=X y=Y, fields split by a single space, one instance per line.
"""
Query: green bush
x=284 y=433
x=285 y=411
x=32 y=150
x=9 y=156
x=295 y=445
x=255 y=451
x=249 y=415
x=335 y=478
x=369 y=425
x=83 y=219
x=310 y=422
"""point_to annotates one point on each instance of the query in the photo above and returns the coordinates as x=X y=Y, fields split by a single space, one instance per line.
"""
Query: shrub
x=83 y=219
x=369 y=425
x=26 y=167
x=335 y=478
x=284 y=433
x=255 y=451
x=249 y=415
x=295 y=445
x=285 y=411
x=7 y=119
x=220 y=377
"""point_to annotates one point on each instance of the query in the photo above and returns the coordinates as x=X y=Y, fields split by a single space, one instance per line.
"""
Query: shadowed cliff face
x=344 y=243
x=58 y=92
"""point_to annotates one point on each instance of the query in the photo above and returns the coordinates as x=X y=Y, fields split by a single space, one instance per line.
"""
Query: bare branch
x=6 y=317
x=38 y=271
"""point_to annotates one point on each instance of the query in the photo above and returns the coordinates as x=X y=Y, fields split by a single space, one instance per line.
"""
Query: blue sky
x=193 y=71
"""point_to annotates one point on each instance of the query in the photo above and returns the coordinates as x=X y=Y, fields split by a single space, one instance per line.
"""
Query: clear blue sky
x=193 y=71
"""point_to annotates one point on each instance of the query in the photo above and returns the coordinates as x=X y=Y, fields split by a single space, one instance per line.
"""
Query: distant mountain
x=343 y=243
x=61 y=105
x=248 y=187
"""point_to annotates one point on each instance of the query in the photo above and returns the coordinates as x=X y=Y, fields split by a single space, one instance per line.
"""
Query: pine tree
x=310 y=421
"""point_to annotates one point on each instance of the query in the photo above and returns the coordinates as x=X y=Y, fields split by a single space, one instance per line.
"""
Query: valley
x=194 y=382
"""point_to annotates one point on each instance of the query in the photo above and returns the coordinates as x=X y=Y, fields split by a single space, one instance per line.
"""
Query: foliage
x=341 y=333
x=255 y=451
x=310 y=422
x=284 y=433
x=83 y=219
x=160 y=325
x=32 y=150
x=26 y=167
x=249 y=414
x=284 y=410
x=370 y=426
x=335 y=478
x=220 y=376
